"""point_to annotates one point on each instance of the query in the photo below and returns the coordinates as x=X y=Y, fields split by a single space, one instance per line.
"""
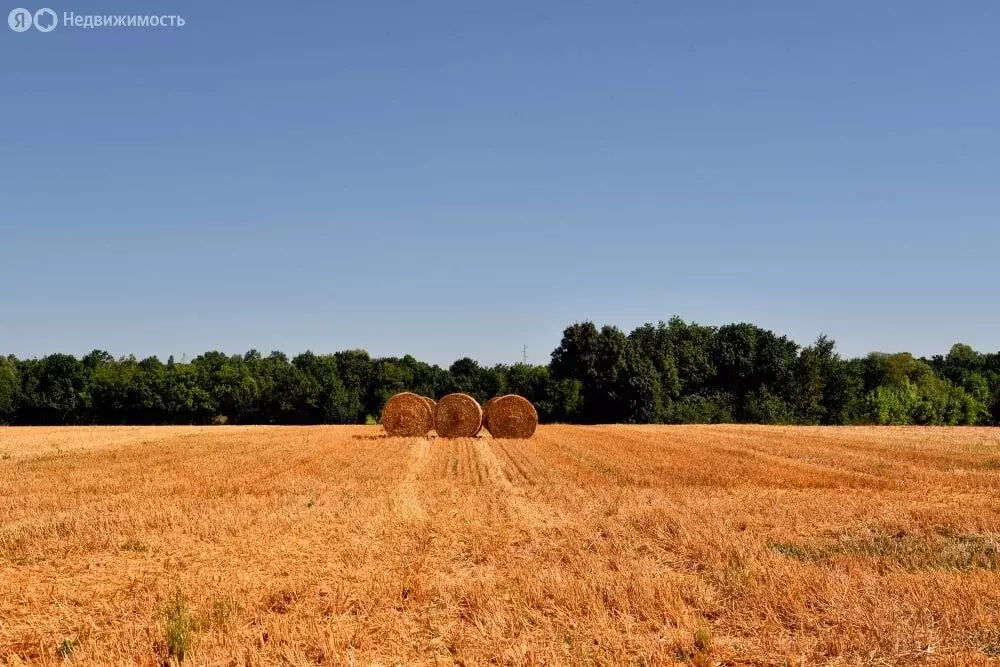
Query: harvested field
x=318 y=545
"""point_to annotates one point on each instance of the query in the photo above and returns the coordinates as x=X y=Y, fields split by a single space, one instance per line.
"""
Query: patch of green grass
x=178 y=626
x=223 y=609
x=137 y=546
x=942 y=550
x=703 y=637
x=988 y=641
x=24 y=560
x=65 y=649
x=796 y=551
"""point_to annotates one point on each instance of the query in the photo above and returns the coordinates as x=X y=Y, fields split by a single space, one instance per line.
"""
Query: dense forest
x=671 y=372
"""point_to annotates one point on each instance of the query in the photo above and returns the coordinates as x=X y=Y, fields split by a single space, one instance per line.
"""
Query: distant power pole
x=524 y=354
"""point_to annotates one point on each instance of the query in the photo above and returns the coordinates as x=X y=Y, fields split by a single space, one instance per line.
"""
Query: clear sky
x=461 y=178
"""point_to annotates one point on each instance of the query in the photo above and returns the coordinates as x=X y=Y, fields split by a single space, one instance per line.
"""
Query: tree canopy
x=668 y=372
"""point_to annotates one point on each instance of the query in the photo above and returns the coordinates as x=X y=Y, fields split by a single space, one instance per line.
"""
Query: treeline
x=671 y=372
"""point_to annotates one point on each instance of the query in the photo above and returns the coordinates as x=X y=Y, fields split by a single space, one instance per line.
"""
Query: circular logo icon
x=19 y=19
x=43 y=24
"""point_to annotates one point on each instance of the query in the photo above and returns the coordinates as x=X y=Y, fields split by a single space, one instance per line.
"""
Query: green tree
x=229 y=380
x=185 y=399
x=844 y=396
x=763 y=407
x=691 y=347
x=321 y=396
x=54 y=390
x=751 y=361
x=357 y=372
x=10 y=389
x=617 y=384
x=654 y=343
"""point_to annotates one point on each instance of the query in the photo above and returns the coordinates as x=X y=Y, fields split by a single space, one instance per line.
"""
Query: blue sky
x=456 y=179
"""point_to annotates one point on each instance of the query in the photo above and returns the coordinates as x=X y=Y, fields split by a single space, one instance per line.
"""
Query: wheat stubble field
x=646 y=544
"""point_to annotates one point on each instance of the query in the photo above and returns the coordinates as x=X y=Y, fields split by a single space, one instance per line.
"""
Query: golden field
x=585 y=545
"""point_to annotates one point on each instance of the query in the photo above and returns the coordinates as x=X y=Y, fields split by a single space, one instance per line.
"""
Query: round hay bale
x=511 y=416
x=431 y=403
x=407 y=415
x=486 y=417
x=458 y=416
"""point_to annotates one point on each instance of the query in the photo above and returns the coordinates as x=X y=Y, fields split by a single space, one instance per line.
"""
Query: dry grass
x=706 y=545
